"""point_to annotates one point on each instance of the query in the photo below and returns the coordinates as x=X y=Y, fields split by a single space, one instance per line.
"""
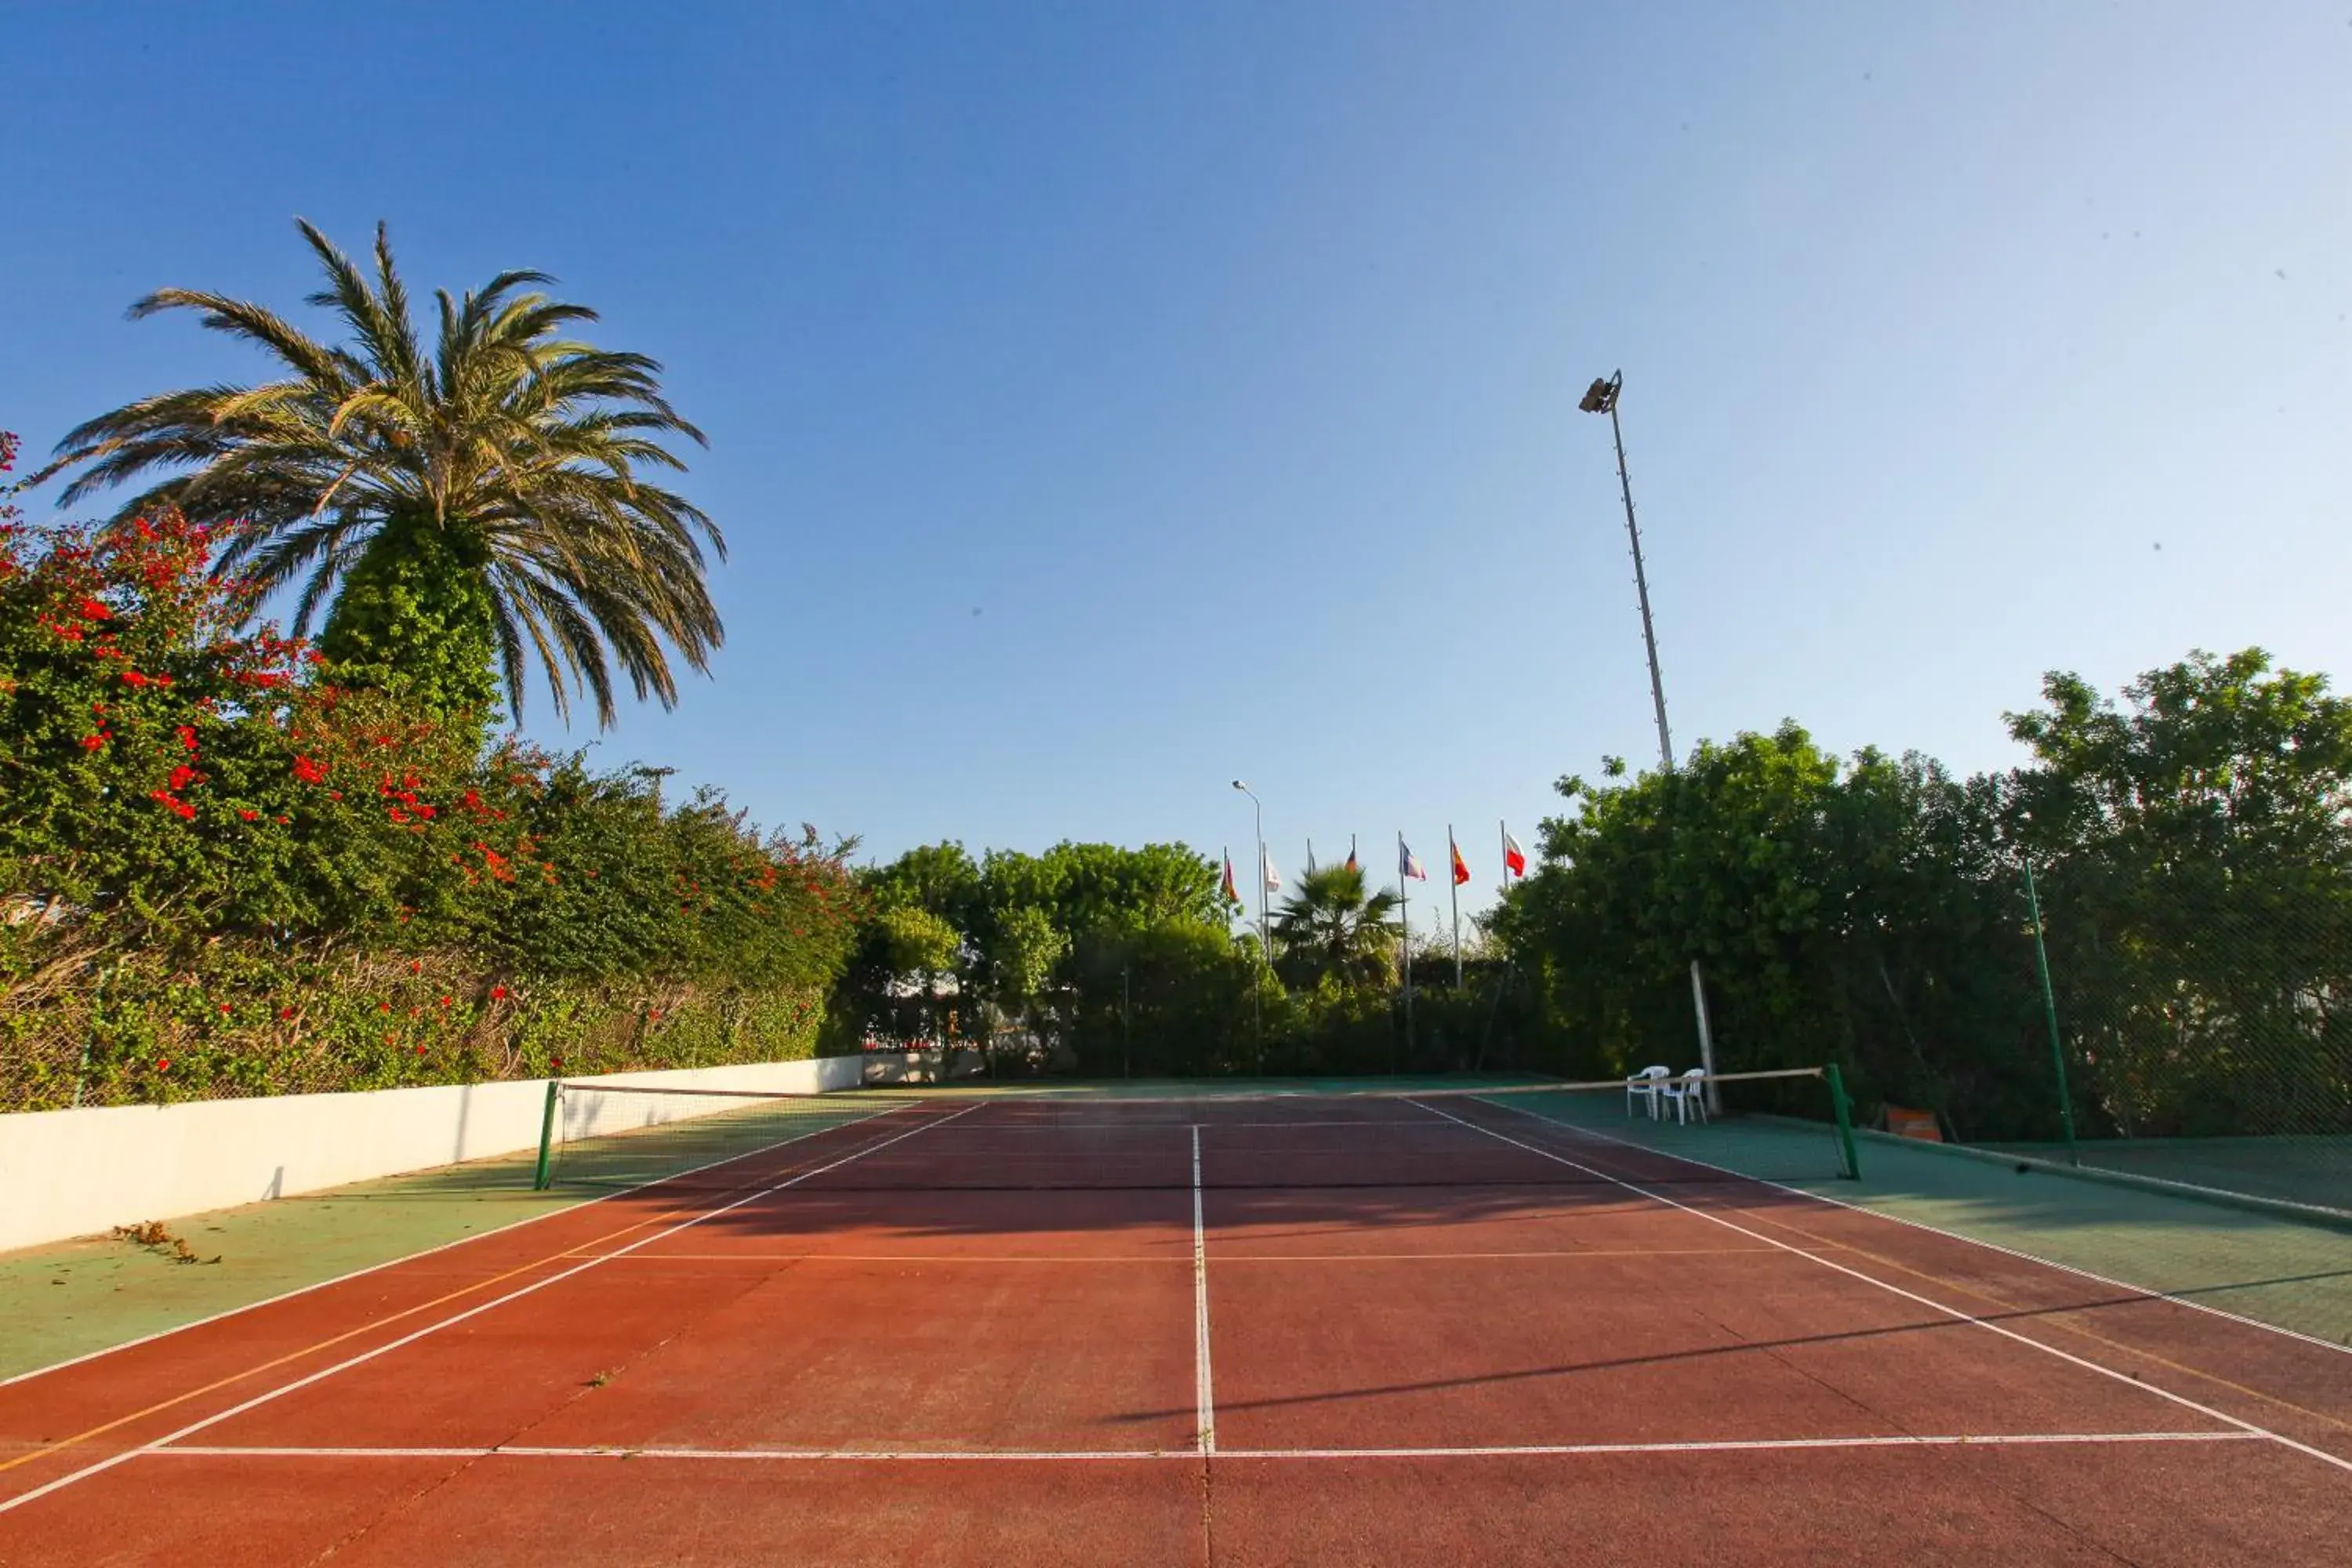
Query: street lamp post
x=1266 y=933
x=1601 y=397
x=1265 y=930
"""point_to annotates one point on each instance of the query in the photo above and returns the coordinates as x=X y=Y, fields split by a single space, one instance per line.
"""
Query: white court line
x=281 y=1390
x=549 y=1213
x=1929 y=1302
x=1573 y=1132
x=1098 y=1456
x=1204 y=1397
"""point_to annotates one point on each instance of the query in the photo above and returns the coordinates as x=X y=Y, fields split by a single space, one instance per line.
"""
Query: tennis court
x=1165 y=1327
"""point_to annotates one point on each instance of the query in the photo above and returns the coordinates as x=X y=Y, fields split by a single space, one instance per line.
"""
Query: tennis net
x=1781 y=1126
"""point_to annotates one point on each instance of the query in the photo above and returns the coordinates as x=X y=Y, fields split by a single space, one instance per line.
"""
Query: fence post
x=2050 y=1011
x=546 y=1135
x=1844 y=1109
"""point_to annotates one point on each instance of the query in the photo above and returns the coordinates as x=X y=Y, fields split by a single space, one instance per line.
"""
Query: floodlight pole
x=1601 y=398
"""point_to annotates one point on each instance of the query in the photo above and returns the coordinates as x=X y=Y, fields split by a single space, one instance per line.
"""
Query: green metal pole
x=2050 y=1011
x=1844 y=1109
x=547 y=1136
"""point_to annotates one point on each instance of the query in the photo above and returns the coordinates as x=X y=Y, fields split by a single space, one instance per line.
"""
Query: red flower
x=188 y=734
x=497 y=992
x=172 y=803
x=384 y=1006
x=91 y=610
x=163 y=1064
x=131 y=677
x=286 y=1012
x=224 y=1009
x=445 y=1001
x=252 y=815
x=308 y=771
x=182 y=776
x=92 y=742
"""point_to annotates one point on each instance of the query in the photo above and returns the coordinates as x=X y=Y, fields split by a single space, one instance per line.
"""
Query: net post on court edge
x=1844 y=1110
x=547 y=1136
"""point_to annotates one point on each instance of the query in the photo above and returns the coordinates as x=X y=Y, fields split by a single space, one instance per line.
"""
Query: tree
x=1330 y=927
x=2195 y=846
x=455 y=508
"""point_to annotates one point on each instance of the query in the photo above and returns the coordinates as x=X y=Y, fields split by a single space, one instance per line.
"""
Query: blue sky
x=1110 y=399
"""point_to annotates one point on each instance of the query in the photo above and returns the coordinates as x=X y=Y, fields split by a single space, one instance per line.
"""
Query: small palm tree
x=454 y=506
x=1331 y=927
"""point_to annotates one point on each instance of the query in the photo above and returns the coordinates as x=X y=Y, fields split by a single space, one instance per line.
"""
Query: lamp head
x=1601 y=395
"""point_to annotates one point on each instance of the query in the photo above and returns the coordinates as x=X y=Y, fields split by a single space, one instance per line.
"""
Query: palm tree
x=486 y=497
x=1330 y=926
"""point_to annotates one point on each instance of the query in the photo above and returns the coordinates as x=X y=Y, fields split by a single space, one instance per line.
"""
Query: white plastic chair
x=1646 y=1084
x=1688 y=1094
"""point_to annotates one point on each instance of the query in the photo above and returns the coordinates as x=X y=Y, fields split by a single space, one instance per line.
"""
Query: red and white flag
x=1514 y=859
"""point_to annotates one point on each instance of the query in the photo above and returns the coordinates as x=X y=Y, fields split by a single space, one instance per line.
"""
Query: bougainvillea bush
x=222 y=872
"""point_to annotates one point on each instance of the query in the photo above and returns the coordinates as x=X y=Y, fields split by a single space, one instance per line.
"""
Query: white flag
x=1272 y=877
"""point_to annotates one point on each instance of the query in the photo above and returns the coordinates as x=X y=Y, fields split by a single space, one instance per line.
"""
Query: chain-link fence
x=2204 y=1029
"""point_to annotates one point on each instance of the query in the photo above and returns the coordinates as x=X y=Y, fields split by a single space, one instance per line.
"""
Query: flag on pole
x=1232 y=895
x=1352 y=852
x=1407 y=865
x=1461 y=866
x=1272 y=877
x=1514 y=859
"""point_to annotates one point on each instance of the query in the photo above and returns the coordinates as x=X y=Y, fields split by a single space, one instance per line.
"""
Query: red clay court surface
x=1104 y=1332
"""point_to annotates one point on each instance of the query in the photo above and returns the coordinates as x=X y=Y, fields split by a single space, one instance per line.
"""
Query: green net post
x=2050 y=1010
x=539 y=1180
x=1844 y=1110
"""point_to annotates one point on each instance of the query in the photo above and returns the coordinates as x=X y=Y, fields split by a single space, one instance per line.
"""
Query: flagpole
x=1404 y=921
x=1453 y=893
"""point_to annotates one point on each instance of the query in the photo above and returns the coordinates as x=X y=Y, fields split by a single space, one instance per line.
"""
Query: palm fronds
x=528 y=448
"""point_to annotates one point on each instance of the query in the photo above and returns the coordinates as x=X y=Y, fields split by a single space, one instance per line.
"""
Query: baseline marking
x=1205 y=1398
x=1082 y=1456
x=1929 y=1302
x=991 y=1259
x=263 y=1398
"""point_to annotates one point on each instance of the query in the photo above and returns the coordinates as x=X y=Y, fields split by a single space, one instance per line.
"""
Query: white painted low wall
x=77 y=1172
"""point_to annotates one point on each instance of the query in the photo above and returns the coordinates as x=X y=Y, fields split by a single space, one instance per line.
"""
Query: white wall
x=77 y=1172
